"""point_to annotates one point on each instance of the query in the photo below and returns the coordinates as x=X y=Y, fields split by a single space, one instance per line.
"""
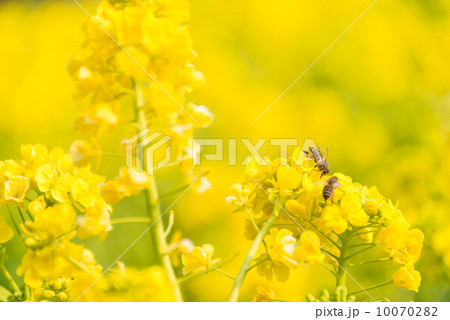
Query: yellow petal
x=6 y=232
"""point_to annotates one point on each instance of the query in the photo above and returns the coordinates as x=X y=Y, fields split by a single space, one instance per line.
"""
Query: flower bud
x=62 y=296
x=49 y=294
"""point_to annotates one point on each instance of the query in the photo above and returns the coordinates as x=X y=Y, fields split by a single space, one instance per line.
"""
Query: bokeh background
x=379 y=99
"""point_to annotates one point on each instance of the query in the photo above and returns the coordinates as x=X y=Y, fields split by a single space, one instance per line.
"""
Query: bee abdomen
x=327 y=192
x=316 y=154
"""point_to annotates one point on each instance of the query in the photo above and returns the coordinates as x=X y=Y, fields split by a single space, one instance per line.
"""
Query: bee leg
x=307 y=154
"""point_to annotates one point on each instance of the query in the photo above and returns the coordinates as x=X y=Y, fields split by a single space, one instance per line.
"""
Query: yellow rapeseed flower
x=37 y=205
x=82 y=152
x=295 y=207
x=52 y=183
x=33 y=157
x=392 y=238
x=288 y=179
x=333 y=220
x=54 y=221
x=408 y=278
x=129 y=182
x=281 y=245
x=55 y=261
x=16 y=190
x=178 y=246
x=95 y=221
x=6 y=232
x=308 y=226
x=351 y=210
x=309 y=249
x=125 y=283
x=81 y=193
x=412 y=247
x=198 y=259
x=241 y=195
x=268 y=268
x=263 y=293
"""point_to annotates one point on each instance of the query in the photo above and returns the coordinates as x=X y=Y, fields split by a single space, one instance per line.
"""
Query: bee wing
x=322 y=182
x=320 y=150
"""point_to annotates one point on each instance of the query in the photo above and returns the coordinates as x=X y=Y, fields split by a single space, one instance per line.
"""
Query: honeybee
x=328 y=190
x=319 y=159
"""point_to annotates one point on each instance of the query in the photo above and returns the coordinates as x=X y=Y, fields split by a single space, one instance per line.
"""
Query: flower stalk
x=9 y=279
x=154 y=209
x=131 y=220
x=342 y=260
x=245 y=267
x=371 y=288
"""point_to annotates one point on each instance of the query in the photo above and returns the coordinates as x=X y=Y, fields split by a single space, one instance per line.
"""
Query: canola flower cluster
x=50 y=202
x=138 y=52
x=54 y=202
x=287 y=213
x=148 y=64
x=149 y=60
x=423 y=200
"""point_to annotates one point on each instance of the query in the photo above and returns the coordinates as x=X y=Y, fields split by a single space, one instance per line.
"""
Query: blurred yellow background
x=379 y=99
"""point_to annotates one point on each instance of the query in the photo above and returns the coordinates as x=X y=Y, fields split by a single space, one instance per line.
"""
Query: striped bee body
x=316 y=155
x=321 y=162
x=328 y=189
x=328 y=192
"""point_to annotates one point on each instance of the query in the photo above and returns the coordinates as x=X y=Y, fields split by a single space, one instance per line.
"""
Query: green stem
x=342 y=260
x=13 y=221
x=159 y=238
x=285 y=225
x=224 y=273
x=78 y=265
x=178 y=190
x=322 y=233
x=371 y=288
x=373 y=227
x=364 y=232
x=29 y=215
x=370 y=225
x=131 y=220
x=330 y=254
x=238 y=281
x=338 y=235
x=210 y=269
x=154 y=208
x=360 y=245
x=360 y=251
x=370 y=261
x=196 y=275
x=258 y=263
x=330 y=270
x=256 y=228
x=20 y=214
x=27 y=292
x=12 y=284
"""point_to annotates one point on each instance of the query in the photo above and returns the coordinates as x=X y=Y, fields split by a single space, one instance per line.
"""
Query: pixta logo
x=141 y=148
x=252 y=150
